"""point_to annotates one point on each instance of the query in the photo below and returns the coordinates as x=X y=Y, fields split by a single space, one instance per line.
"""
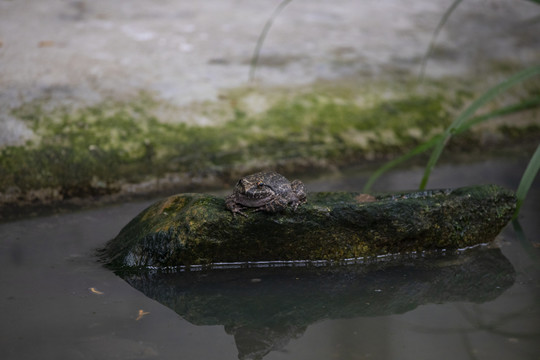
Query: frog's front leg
x=299 y=190
x=233 y=206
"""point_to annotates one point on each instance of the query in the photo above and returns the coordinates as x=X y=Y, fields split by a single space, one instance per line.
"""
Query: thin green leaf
x=433 y=160
x=527 y=179
x=431 y=46
x=525 y=244
x=507 y=110
x=469 y=111
x=510 y=109
x=416 y=151
x=262 y=37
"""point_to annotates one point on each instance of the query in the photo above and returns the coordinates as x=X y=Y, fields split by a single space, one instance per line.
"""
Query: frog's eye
x=260 y=184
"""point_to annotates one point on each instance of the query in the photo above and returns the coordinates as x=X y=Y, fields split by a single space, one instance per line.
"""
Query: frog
x=265 y=191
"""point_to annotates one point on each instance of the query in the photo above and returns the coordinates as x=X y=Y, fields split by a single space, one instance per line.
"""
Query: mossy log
x=196 y=229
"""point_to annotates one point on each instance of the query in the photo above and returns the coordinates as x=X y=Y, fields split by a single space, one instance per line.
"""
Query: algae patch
x=99 y=149
x=95 y=148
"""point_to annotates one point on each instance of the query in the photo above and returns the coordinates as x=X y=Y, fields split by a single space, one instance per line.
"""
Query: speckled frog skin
x=265 y=191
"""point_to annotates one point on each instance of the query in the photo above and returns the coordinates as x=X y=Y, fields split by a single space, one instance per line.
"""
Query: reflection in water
x=265 y=308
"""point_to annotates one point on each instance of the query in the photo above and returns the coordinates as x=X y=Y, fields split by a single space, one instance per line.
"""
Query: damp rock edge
x=194 y=229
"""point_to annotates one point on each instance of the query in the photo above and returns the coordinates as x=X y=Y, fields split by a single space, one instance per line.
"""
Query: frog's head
x=254 y=188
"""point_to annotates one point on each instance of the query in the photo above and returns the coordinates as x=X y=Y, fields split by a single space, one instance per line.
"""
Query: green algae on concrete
x=196 y=229
x=144 y=143
x=102 y=146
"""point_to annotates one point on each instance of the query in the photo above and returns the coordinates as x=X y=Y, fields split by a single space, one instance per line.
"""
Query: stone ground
x=82 y=52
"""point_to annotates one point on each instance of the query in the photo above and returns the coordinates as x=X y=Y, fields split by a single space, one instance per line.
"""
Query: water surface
x=58 y=302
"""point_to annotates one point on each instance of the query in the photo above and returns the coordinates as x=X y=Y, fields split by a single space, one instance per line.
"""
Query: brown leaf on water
x=45 y=43
x=95 y=291
x=141 y=314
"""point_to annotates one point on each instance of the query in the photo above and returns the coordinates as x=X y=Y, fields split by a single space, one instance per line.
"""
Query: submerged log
x=196 y=229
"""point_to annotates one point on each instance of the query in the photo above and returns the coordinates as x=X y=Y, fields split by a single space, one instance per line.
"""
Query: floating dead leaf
x=365 y=198
x=141 y=314
x=95 y=291
x=45 y=43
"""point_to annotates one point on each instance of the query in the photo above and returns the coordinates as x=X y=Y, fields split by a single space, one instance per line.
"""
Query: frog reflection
x=264 y=308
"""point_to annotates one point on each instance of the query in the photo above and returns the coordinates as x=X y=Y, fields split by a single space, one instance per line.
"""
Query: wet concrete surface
x=82 y=52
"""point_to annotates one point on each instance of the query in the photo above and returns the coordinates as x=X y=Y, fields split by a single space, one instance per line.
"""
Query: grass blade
x=526 y=244
x=510 y=109
x=469 y=111
x=262 y=37
x=416 y=151
x=431 y=46
x=507 y=110
x=527 y=179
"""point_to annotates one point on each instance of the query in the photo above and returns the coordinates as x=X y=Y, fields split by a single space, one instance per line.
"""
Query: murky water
x=58 y=302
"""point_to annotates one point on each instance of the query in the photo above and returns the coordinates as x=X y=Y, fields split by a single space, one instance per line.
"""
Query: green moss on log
x=197 y=229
